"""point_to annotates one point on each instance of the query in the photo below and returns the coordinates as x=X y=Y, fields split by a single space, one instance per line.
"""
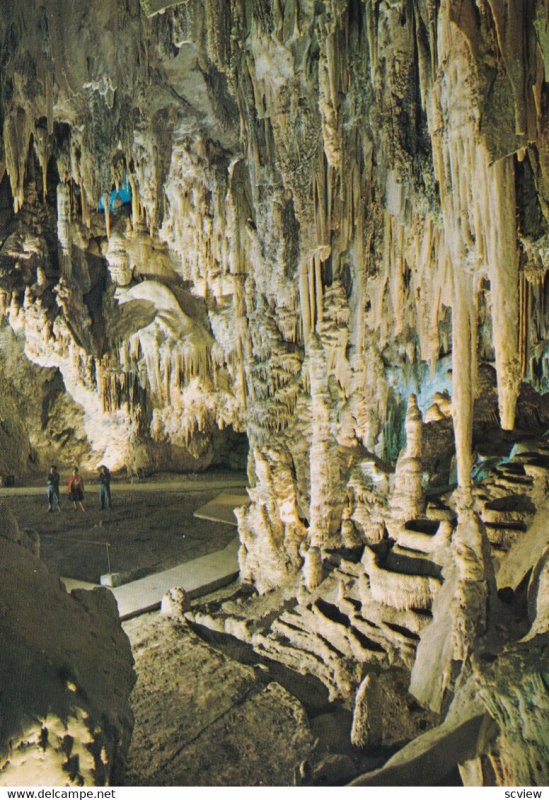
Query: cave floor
x=202 y=719
x=211 y=712
x=150 y=528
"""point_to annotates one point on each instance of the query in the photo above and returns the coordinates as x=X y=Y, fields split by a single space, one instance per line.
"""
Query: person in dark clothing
x=53 y=489
x=104 y=487
x=76 y=489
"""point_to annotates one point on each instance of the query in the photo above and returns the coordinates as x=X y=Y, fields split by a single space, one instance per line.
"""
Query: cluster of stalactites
x=121 y=384
x=471 y=241
x=169 y=370
x=79 y=194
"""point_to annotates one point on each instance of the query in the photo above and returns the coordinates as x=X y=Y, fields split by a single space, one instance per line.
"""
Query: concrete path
x=221 y=508
x=198 y=577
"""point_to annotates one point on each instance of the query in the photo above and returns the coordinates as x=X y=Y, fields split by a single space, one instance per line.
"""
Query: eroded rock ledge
x=66 y=673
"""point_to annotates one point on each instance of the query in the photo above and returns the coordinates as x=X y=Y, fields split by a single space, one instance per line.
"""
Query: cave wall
x=332 y=205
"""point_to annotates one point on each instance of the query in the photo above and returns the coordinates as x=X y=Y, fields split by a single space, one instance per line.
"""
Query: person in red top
x=76 y=489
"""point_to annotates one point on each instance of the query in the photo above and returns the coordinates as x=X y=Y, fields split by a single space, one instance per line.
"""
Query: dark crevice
x=366 y=643
x=515 y=502
x=428 y=526
x=510 y=526
x=406 y=565
x=357 y=605
x=329 y=645
x=333 y=613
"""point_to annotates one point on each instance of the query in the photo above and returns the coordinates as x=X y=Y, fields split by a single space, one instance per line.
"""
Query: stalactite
x=503 y=258
x=17 y=131
x=463 y=375
x=218 y=26
x=524 y=315
x=136 y=207
x=304 y=299
x=312 y=293
x=48 y=91
x=107 y=207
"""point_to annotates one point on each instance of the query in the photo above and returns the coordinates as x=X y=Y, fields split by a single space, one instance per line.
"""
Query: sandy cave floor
x=149 y=529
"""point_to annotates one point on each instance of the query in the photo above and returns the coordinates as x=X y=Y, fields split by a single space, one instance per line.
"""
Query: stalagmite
x=408 y=500
x=312 y=567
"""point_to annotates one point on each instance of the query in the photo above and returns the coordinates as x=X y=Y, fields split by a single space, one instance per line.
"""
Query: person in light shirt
x=53 y=489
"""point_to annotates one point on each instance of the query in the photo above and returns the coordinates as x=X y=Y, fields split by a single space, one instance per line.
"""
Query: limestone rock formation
x=408 y=500
x=384 y=713
x=66 y=674
x=411 y=636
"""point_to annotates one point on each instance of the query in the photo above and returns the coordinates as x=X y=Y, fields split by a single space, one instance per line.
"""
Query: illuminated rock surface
x=322 y=226
x=66 y=673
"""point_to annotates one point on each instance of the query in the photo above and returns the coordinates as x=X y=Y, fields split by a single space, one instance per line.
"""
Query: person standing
x=105 y=487
x=76 y=489
x=53 y=489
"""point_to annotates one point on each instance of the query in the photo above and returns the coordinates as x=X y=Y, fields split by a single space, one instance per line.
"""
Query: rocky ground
x=211 y=712
x=201 y=719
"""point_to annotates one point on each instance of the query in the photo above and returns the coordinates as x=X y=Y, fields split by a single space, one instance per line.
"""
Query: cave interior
x=306 y=243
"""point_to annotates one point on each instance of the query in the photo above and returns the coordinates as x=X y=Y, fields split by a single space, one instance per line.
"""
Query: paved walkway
x=221 y=508
x=198 y=577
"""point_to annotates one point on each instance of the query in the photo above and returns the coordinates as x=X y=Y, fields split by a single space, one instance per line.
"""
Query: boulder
x=66 y=675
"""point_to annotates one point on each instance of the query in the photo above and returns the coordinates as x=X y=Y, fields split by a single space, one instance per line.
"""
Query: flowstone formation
x=66 y=673
x=324 y=224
